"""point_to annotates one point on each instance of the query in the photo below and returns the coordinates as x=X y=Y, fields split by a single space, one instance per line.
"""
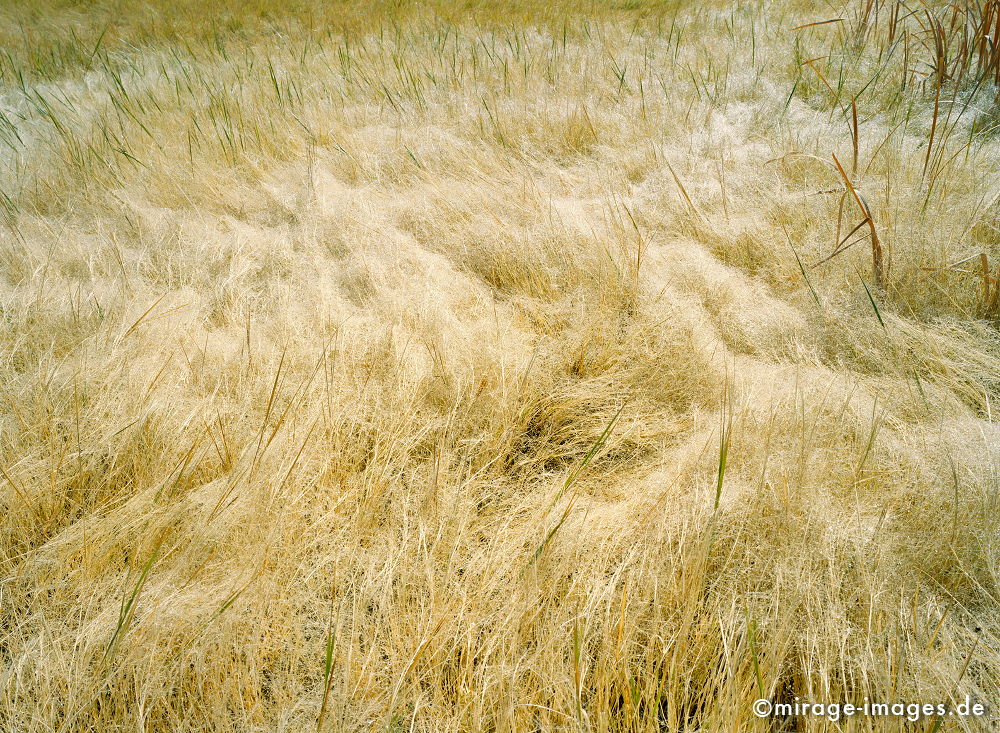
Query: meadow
x=516 y=366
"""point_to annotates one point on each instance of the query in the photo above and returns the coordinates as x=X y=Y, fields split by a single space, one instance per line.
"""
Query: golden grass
x=449 y=367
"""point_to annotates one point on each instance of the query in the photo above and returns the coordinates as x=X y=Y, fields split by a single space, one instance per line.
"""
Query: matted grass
x=467 y=366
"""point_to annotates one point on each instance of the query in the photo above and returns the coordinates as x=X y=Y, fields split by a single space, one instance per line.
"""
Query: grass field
x=467 y=366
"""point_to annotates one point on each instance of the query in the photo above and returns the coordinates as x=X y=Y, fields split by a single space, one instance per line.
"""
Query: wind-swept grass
x=496 y=366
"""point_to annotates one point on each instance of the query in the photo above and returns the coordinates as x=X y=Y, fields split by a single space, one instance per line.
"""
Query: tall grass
x=473 y=366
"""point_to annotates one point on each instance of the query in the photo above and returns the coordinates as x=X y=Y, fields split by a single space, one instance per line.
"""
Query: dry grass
x=455 y=367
